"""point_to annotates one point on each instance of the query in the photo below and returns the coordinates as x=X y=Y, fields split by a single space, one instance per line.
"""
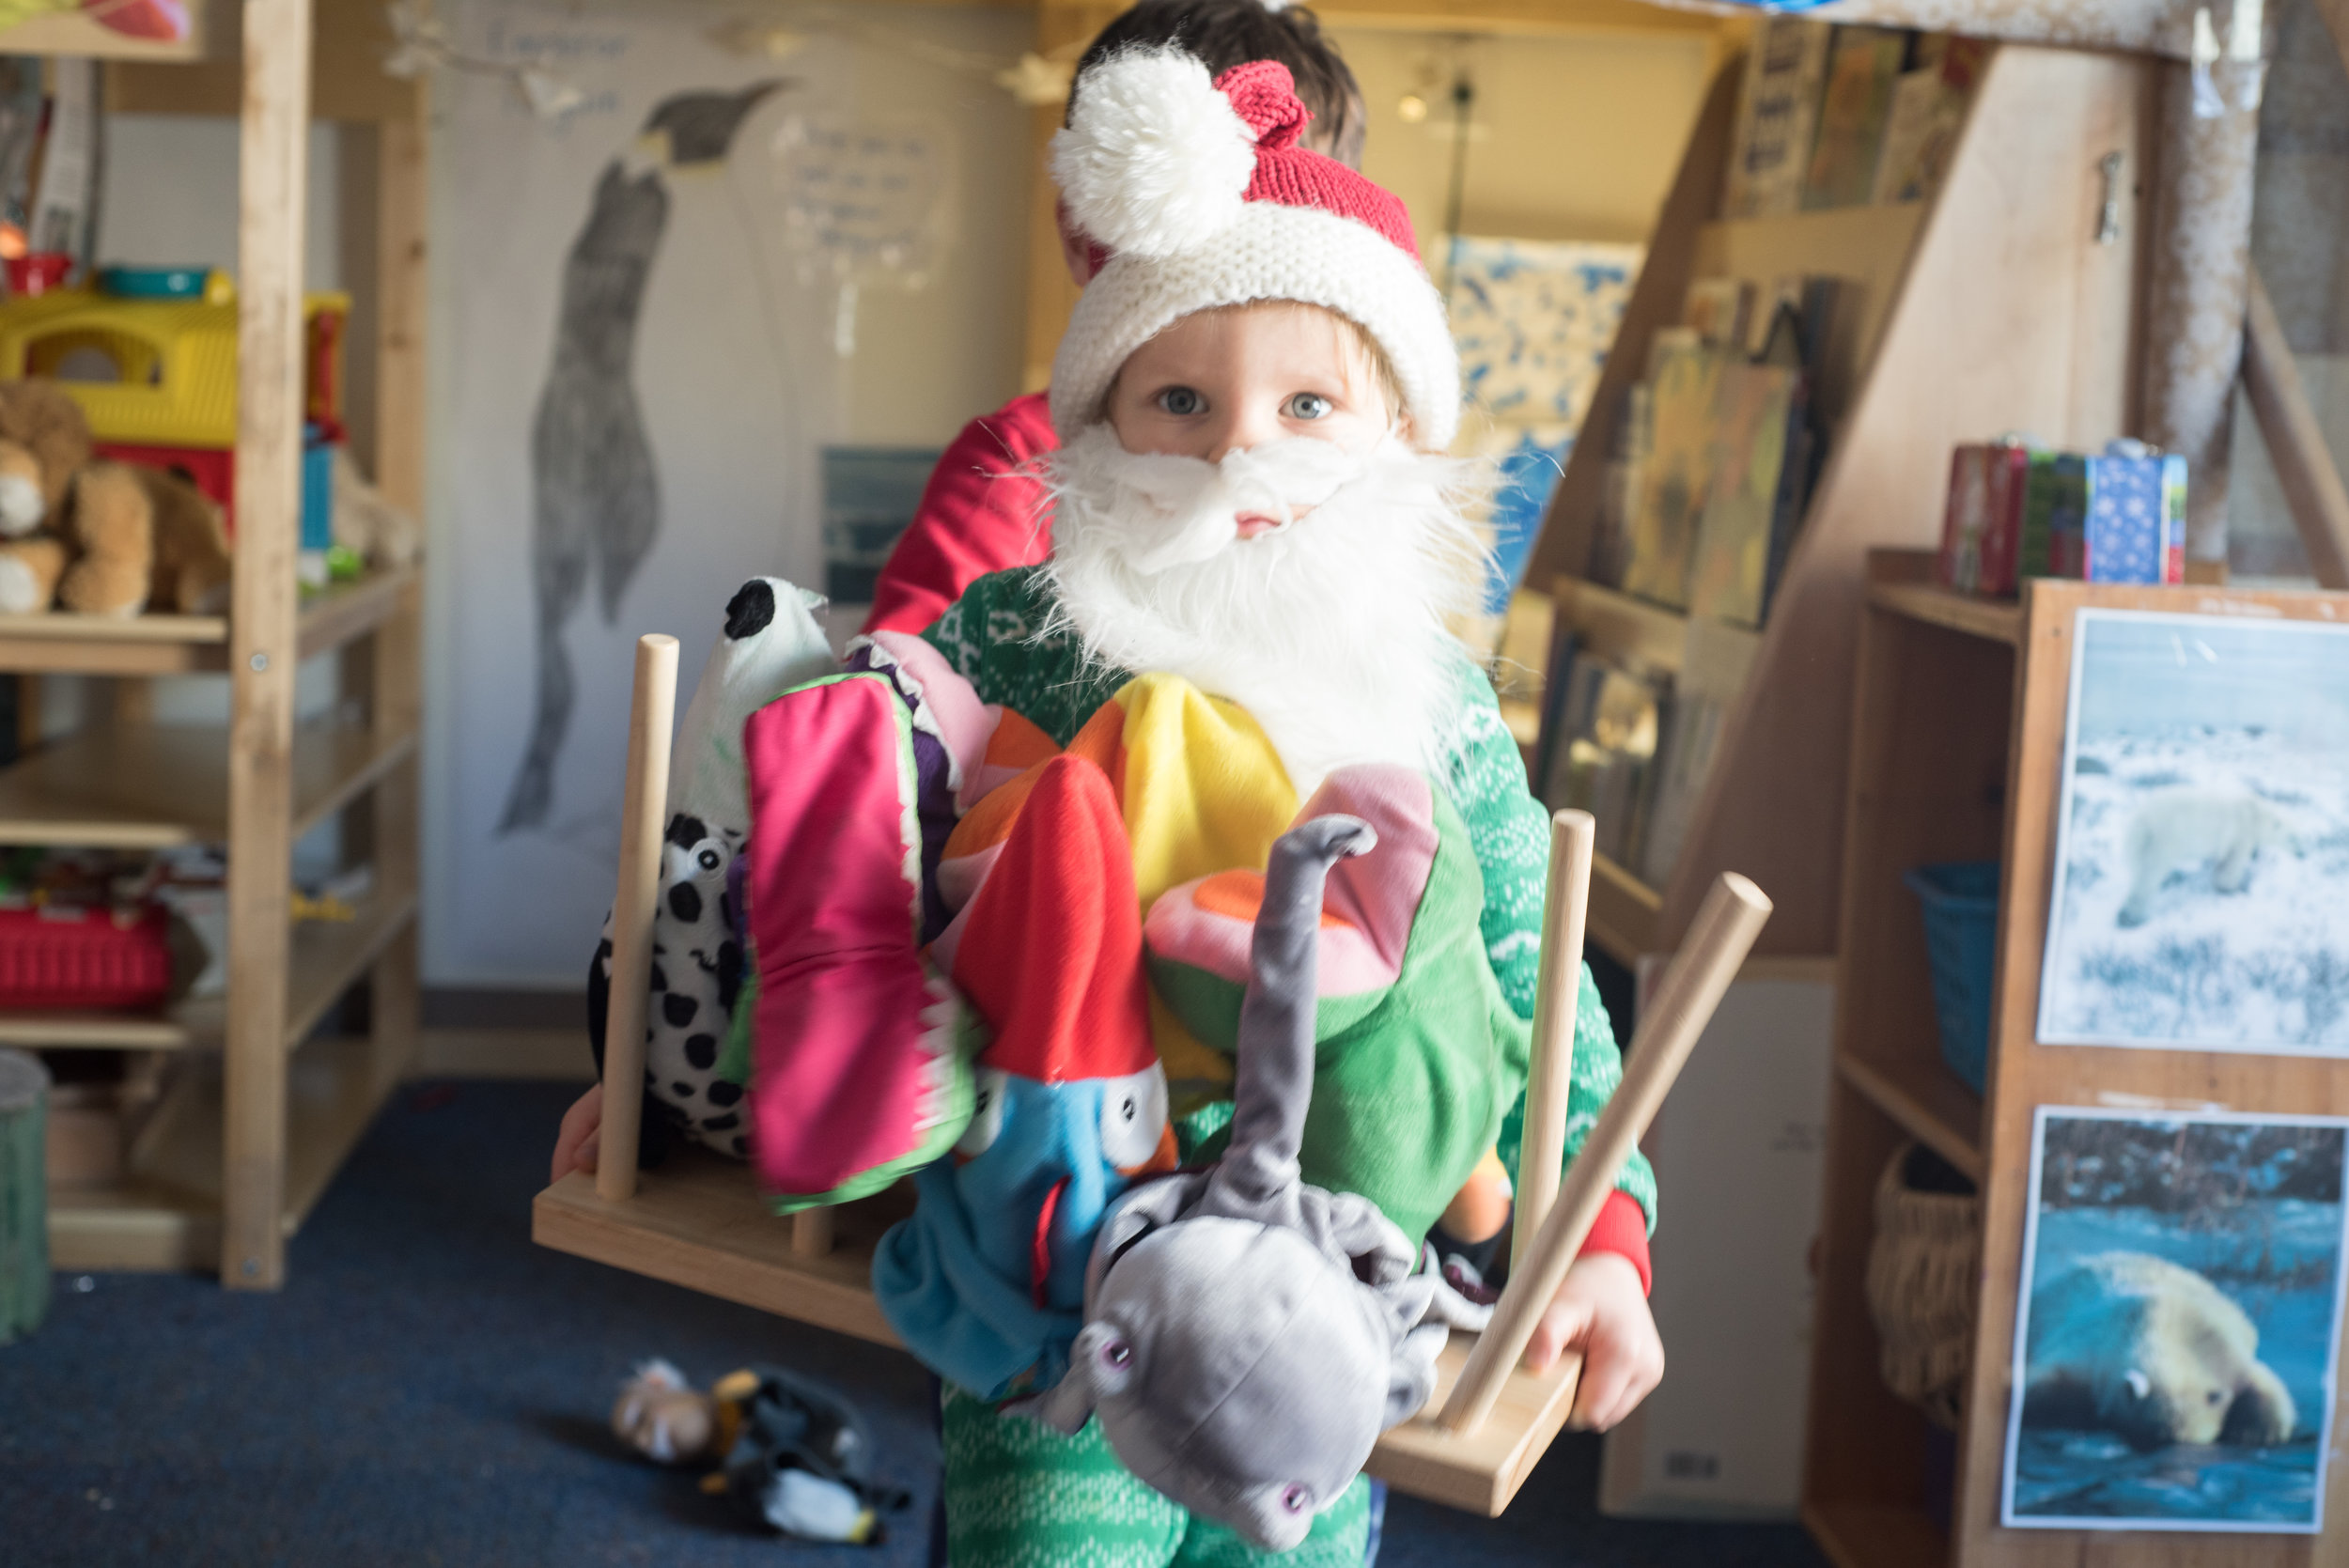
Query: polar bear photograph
x=2202 y=877
x=2184 y=829
x=2153 y=1353
x=2179 y=1319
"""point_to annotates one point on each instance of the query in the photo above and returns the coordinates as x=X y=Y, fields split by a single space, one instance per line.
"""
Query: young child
x=985 y=508
x=1252 y=398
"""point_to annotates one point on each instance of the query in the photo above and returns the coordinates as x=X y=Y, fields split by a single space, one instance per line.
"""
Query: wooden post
x=2296 y=442
x=1718 y=939
x=396 y=675
x=810 y=1232
x=24 y=1194
x=644 y=811
x=1573 y=835
x=273 y=194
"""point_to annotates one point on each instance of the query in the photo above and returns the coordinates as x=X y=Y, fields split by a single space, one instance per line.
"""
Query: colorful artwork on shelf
x=1534 y=320
x=1683 y=378
x=1860 y=75
x=1754 y=414
x=2178 y=1323
x=2201 y=887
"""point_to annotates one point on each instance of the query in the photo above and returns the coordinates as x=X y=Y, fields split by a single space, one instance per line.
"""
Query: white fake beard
x=1333 y=631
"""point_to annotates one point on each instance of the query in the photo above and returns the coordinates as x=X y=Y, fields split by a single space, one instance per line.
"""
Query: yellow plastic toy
x=172 y=362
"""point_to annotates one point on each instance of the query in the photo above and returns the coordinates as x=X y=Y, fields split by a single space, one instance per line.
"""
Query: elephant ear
x=1093 y=1371
x=1142 y=1210
x=1352 y=1227
x=1411 y=1375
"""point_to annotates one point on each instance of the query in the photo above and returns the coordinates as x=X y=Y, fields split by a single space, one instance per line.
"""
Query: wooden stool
x=698 y=1221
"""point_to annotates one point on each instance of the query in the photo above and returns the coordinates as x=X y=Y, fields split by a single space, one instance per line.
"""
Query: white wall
x=723 y=311
x=1570 y=137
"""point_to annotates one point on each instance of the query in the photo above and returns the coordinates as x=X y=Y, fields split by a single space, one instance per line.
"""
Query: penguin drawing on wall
x=595 y=495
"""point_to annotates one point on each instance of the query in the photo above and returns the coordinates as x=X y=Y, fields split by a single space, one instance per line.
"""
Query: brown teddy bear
x=120 y=538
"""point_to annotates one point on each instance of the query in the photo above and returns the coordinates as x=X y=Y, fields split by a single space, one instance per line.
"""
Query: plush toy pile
x=903 y=933
x=784 y=1448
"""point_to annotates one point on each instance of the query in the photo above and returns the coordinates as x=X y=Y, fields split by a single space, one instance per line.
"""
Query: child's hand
x=575 y=1145
x=1601 y=1311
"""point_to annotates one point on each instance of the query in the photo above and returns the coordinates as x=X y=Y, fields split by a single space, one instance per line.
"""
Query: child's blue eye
x=1308 y=405
x=1182 y=401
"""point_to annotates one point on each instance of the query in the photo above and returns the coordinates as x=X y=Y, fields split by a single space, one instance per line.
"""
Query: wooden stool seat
x=697 y=1221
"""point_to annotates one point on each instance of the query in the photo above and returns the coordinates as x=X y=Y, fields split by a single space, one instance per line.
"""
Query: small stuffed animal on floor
x=788 y=1451
x=1248 y=1335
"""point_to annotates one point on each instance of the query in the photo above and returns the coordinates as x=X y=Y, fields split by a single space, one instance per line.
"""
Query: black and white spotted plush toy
x=771 y=644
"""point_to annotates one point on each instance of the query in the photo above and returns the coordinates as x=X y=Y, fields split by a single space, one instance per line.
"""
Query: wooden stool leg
x=1573 y=835
x=643 y=812
x=810 y=1232
x=1717 y=944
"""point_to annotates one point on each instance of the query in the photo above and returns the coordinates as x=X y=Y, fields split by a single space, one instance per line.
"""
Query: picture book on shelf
x=1720 y=311
x=1715 y=660
x=1861 y=69
x=1755 y=409
x=1610 y=715
x=1683 y=375
x=1777 y=118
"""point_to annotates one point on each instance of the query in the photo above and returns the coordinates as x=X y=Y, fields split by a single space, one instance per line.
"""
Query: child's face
x=1232 y=379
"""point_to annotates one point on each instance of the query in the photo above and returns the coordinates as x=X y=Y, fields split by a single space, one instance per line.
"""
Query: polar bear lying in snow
x=2184 y=828
x=2136 y=1346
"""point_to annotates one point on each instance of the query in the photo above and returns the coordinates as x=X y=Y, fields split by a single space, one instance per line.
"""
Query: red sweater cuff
x=1622 y=1229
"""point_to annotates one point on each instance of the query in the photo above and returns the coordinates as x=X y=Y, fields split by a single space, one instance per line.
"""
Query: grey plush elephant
x=1248 y=1335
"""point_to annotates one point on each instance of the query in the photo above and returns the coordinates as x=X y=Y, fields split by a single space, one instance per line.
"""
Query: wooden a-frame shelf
x=256 y=1114
x=1988 y=308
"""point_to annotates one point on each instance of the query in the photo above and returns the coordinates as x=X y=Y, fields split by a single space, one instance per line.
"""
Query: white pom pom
x=1154 y=160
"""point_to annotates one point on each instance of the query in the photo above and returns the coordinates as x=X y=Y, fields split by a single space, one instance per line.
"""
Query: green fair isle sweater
x=994 y=637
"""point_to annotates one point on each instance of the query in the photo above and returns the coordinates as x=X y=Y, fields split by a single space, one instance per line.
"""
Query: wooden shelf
x=1622 y=914
x=1860 y=1535
x=152 y=787
x=210 y=28
x=62 y=643
x=698 y=1222
x=1928 y=1101
x=327 y=957
x=189 y=1025
x=2000 y=621
x=1900 y=580
x=349 y=611
x=166 y=1212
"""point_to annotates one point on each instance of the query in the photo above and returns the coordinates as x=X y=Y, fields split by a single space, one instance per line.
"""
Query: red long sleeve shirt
x=983 y=511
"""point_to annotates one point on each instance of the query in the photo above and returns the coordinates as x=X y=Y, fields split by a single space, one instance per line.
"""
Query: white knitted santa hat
x=1202 y=196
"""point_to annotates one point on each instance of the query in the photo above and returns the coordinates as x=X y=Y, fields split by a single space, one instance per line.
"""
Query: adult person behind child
x=986 y=507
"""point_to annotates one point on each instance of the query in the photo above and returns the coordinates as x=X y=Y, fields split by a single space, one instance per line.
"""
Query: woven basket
x=1925 y=1268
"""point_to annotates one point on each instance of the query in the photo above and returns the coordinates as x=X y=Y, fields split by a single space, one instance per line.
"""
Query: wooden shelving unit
x=1957 y=754
x=1989 y=308
x=258 y=1114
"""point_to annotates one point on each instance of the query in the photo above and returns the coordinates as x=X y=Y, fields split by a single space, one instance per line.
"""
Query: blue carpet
x=430 y=1389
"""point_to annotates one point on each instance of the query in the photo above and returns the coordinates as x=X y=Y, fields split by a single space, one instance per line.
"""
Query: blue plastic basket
x=1961 y=907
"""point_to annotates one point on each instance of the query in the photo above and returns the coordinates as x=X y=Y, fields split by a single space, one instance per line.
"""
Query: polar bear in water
x=2185 y=828
x=2134 y=1344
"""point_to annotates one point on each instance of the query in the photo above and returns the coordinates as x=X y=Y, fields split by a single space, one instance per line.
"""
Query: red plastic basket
x=96 y=958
